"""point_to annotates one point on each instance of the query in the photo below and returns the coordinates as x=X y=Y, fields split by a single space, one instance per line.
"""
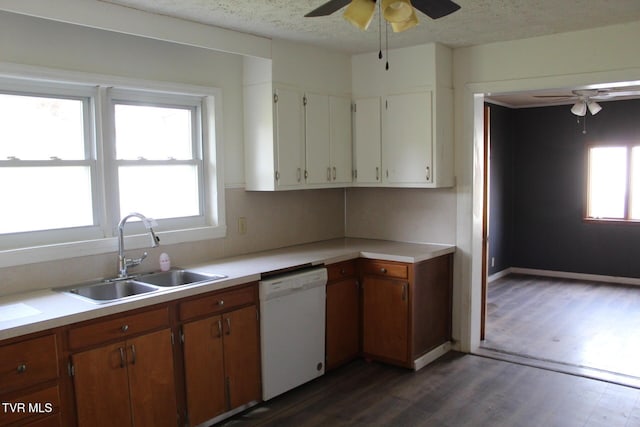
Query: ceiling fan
x=586 y=98
x=399 y=13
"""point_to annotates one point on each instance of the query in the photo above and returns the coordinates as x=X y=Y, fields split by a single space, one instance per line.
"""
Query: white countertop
x=22 y=314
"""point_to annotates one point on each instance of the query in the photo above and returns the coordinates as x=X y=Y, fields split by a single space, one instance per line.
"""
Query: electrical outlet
x=242 y=225
x=493 y=261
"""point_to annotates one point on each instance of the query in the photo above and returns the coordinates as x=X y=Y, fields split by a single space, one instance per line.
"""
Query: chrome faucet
x=123 y=262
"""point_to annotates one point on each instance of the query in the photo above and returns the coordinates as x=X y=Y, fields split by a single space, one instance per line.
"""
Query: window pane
x=635 y=183
x=153 y=133
x=159 y=191
x=38 y=128
x=45 y=198
x=607 y=182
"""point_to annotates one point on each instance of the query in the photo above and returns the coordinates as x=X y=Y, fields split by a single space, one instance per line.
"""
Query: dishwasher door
x=292 y=334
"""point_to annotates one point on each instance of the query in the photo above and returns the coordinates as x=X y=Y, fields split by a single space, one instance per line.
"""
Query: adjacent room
x=563 y=230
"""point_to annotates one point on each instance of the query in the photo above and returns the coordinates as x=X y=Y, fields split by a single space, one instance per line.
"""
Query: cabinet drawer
x=341 y=270
x=386 y=268
x=118 y=328
x=217 y=303
x=28 y=362
x=39 y=405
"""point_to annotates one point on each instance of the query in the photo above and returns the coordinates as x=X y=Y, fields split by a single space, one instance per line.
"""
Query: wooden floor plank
x=456 y=390
x=585 y=324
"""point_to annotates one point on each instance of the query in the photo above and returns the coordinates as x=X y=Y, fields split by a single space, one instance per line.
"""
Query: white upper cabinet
x=297 y=123
x=317 y=138
x=367 y=138
x=340 y=139
x=415 y=118
x=407 y=151
x=290 y=135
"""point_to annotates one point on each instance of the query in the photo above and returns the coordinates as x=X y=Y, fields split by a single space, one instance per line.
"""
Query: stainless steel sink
x=178 y=278
x=109 y=291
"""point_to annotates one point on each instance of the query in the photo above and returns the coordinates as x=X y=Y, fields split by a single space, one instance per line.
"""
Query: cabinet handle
x=334 y=173
x=404 y=292
x=343 y=271
x=383 y=270
x=124 y=328
x=121 y=356
x=428 y=172
x=22 y=368
x=133 y=354
x=221 y=302
x=228 y=326
x=299 y=174
x=306 y=174
x=219 y=328
x=377 y=173
x=328 y=173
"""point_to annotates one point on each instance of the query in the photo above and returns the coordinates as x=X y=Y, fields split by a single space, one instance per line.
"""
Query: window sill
x=611 y=221
x=22 y=256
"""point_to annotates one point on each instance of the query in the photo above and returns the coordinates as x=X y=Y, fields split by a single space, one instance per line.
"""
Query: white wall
x=601 y=55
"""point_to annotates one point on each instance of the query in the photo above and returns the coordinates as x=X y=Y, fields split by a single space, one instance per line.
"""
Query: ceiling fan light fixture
x=360 y=13
x=594 y=107
x=579 y=108
x=399 y=27
x=396 y=11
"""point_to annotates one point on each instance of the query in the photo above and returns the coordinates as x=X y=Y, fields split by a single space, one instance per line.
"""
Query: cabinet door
x=289 y=118
x=407 y=139
x=151 y=379
x=204 y=369
x=317 y=138
x=367 y=135
x=343 y=322
x=385 y=309
x=340 y=139
x=102 y=387
x=242 y=356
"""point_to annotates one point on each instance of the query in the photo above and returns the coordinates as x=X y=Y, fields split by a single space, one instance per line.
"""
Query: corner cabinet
x=123 y=371
x=406 y=310
x=403 y=119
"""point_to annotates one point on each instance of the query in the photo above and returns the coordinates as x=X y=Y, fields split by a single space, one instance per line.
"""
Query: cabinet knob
x=221 y=302
x=124 y=328
x=383 y=270
x=21 y=368
x=343 y=272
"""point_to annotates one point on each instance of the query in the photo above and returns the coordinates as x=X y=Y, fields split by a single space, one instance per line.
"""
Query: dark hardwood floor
x=456 y=390
x=572 y=323
x=584 y=324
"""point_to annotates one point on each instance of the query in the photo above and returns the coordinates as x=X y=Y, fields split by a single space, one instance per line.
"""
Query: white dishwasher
x=292 y=329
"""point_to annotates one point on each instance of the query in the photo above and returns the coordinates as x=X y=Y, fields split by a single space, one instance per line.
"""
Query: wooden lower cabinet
x=126 y=383
x=29 y=381
x=221 y=361
x=406 y=308
x=342 y=315
x=385 y=310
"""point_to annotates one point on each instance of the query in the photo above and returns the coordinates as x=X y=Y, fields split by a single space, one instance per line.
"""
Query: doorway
x=578 y=326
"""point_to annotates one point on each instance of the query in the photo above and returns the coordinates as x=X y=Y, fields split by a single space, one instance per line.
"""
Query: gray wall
x=548 y=172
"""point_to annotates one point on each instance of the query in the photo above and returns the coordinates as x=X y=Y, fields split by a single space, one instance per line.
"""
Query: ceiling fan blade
x=435 y=9
x=328 y=8
x=555 y=96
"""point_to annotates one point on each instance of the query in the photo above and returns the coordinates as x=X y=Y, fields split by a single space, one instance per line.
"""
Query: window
x=76 y=157
x=614 y=183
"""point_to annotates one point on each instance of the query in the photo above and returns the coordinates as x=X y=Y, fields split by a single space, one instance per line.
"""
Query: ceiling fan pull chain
x=379 y=30
x=386 y=44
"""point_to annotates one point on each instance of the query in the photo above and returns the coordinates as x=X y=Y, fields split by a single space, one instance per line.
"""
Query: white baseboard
x=429 y=357
x=567 y=275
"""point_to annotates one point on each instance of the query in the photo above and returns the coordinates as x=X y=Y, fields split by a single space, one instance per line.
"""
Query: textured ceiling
x=478 y=22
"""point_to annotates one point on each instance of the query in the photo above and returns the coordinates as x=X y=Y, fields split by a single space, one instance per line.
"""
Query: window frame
x=102 y=237
x=628 y=145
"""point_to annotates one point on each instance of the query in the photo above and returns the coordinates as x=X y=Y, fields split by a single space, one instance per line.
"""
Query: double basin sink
x=111 y=290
